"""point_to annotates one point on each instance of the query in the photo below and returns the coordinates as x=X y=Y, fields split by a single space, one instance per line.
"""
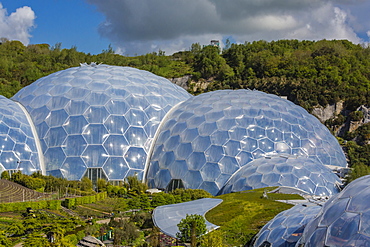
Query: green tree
x=36 y=239
x=212 y=239
x=357 y=171
x=4 y=241
x=210 y=64
x=16 y=228
x=134 y=186
x=5 y=175
x=86 y=184
x=191 y=228
x=125 y=233
x=102 y=185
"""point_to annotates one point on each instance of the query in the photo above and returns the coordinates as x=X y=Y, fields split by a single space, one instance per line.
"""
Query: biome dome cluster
x=286 y=228
x=209 y=137
x=110 y=122
x=343 y=220
x=296 y=172
x=100 y=116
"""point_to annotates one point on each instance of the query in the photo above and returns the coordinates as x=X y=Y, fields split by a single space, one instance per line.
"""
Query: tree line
x=309 y=73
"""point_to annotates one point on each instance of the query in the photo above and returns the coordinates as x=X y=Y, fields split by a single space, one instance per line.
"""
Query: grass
x=241 y=215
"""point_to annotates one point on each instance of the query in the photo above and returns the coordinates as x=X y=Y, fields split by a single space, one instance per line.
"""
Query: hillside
x=317 y=75
x=241 y=215
x=13 y=192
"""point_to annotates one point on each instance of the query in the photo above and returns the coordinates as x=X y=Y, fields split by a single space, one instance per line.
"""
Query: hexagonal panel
x=94 y=156
x=75 y=124
x=116 y=168
x=116 y=124
x=73 y=168
x=116 y=145
x=95 y=134
x=136 y=157
x=136 y=136
x=136 y=117
x=96 y=114
x=74 y=145
x=56 y=118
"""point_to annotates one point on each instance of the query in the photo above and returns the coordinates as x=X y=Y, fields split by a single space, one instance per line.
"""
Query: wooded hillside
x=309 y=73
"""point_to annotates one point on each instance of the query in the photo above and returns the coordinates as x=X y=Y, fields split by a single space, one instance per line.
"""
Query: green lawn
x=242 y=214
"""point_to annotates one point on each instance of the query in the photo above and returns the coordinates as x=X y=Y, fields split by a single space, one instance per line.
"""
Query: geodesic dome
x=286 y=228
x=206 y=139
x=296 y=172
x=18 y=150
x=344 y=218
x=98 y=119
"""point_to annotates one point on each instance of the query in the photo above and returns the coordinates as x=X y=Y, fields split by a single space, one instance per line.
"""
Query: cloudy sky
x=141 y=26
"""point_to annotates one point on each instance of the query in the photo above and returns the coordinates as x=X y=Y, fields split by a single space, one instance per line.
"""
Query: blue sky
x=70 y=22
x=141 y=26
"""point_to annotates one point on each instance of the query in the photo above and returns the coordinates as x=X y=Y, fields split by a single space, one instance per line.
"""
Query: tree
x=35 y=239
x=86 y=184
x=212 y=239
x=4 y=241
x=135 y=186
x=102 y=185
x=5 y=175
x=191 y=228
x=125 y=232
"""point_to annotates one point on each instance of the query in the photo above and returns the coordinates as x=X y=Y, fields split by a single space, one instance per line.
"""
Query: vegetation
x=309 y=73
x=40 y=223
x=241 y=215
x=191 y=228
x=128 y=209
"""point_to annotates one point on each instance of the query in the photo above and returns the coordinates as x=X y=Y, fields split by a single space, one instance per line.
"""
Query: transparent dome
x=209 y=137
x=344 y=219
x=286 y=228
x=99 y=117
x=296 y=172
x=18 y=150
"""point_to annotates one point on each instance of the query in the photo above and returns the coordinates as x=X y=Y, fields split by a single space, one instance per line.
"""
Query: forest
x=309 y=73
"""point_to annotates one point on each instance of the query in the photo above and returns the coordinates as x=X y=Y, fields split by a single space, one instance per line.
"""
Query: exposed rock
x=354 y=125
x=328 y=112
x=182 y=81
x=366 y=112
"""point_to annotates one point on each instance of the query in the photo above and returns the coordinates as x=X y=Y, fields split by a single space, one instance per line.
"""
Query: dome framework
x=206 y=139
x=98 y=120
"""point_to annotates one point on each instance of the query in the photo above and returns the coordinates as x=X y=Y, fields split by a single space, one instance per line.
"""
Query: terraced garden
x=13 y=192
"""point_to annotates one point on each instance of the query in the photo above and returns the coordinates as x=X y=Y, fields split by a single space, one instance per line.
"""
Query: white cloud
x=142 y=26
x=17 y=25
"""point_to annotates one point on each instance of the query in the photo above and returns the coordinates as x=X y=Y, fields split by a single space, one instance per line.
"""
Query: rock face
x=366 y=112
x=181 y=81
x=354 y=125
x=330 y=111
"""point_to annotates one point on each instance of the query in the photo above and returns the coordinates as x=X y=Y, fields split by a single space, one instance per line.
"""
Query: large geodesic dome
x=286 y=228
x=18 y=149
x=291 y=171
x=206 y=139
x=344 y=218
x=98 y=120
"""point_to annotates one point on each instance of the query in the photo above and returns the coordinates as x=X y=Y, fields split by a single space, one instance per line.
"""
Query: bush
x=356 y=115
x=22 y=206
